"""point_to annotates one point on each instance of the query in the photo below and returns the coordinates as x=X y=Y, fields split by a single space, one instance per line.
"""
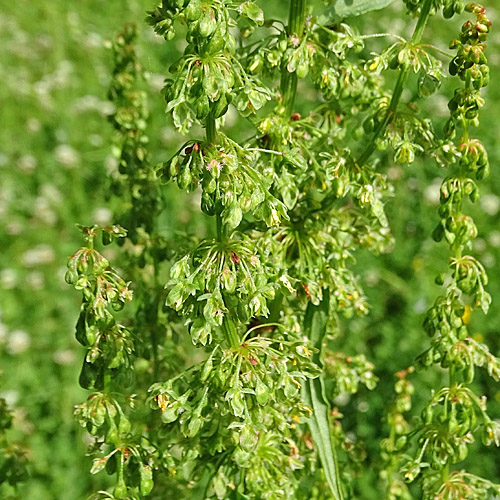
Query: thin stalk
x=399 y=87
x=296 y=21
x=107 y=382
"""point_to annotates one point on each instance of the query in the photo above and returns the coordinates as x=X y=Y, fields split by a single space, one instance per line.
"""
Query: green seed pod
x=202 y=107
x=124 y=426
x=261 y=392
x=207 y=24
x=428 y=84
x=439 y=280
x=146 y=484
x=207 y=203
x=120 y=491
x=173 y=168
x=217 y=42
x=90 y=376
x=248 y=437
x=184 y=179
x=170 y=414
x=237 y=402
x=231 y=216
x=438 y=233
x=193 y=10
x=302 y=69
x=219 y=108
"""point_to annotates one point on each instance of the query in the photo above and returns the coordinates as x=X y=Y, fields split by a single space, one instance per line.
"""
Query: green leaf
x=315 y=323
x=350 y=8
x=252 y=12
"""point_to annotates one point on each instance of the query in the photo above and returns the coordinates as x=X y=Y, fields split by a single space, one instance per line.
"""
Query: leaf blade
x=315 y=324
x=342 y=9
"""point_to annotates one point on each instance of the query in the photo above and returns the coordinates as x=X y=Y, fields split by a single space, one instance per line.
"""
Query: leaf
x=350 y=8
x=315 y=322
x=199 y=492
x=252 y=12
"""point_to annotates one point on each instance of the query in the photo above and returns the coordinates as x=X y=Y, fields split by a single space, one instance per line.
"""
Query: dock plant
x=248 y=411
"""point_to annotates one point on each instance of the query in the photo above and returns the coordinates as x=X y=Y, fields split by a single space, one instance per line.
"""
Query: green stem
x=296 y=21
x=400 y=86
x=107 y=382
x=230 y=332
x=210 y=129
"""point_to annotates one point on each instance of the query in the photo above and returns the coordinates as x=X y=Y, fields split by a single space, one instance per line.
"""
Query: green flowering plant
x=251 y=415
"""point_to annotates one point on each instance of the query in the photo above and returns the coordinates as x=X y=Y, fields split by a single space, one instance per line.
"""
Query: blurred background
x=55 y=156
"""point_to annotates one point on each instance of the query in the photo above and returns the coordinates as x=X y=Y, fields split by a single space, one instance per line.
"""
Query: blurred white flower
x=35 y=280
x=490 y=203
x=8 y=278
x=95 y=140
x=51 y=193
x=102 y=216
x=14 y=228
x=64 y=357
x=432 y=192
x=33 y=125
x=41 y=254
x=42 y=211
x=494 y=239
x=18 y=342
x=93 y=40
x=67 y=156
x=11 y=397
x=27 y=163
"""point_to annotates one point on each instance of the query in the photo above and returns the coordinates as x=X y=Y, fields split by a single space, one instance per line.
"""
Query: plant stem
x=296 y=21
x=107 y=382
x=400 y=86
x=210 y=129
x=230 y=332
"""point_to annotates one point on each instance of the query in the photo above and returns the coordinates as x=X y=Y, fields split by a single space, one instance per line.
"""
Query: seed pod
x=217 y=42
x=207 y=203
x=202 y=107
x=248 y=437
x=193 y=10
x=124 y=426
x=219 y=108
x=146 y=484
x=120 y=490
x=207 y=24
x=302 y=69
x=90 y=376
x=184 y=179
x=261 y=392
x=231 y=216
x=428 y=84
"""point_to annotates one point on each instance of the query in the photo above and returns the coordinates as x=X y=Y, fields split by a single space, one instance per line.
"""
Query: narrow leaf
x=315 y=322
x=342 y=9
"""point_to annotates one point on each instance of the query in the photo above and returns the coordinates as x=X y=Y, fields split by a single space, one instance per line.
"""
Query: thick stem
x=210 y=129
x=400 y=86
x=296 y=21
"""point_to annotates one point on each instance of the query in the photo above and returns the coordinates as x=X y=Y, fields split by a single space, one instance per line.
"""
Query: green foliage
x=247 y=350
